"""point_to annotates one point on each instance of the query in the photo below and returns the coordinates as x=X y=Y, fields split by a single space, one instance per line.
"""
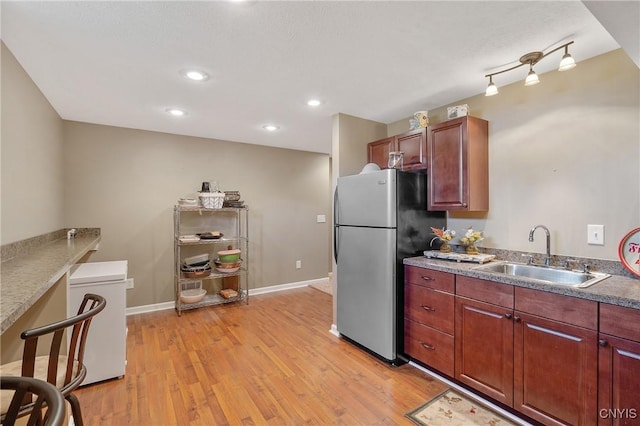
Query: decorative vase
x=472 y=249
x=445 y=247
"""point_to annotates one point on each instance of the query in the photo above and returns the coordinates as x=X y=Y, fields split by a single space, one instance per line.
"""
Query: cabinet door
x=414 y=146
x=619 y=381
x=484 y=348
x=378 y=152
x=447 y=146
x=458 y=164
x=555 y=371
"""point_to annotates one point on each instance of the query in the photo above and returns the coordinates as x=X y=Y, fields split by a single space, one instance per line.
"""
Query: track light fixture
x=531 y=59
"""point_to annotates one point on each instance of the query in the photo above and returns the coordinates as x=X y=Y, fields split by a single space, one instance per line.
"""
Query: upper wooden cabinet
x=458 y=164
x=413 y=144
x=378 y=152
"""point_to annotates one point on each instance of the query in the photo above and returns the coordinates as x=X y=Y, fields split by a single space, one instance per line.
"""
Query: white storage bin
x=212 y=200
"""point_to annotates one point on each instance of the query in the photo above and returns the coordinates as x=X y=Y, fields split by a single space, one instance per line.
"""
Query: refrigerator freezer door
x=366 y=289
x=368 y=199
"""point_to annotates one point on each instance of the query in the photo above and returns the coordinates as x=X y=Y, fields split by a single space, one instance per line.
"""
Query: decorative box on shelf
x=457 y=111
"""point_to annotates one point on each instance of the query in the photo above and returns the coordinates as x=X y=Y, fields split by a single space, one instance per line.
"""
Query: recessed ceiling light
x=195 y=75
x=176 y=112
x=270 y=127
x=313 y=102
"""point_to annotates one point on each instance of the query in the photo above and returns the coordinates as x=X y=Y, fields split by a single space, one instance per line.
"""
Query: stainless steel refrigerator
x=380 y=218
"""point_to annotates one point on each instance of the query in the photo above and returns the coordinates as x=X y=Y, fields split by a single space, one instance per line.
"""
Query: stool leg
x=75 y=410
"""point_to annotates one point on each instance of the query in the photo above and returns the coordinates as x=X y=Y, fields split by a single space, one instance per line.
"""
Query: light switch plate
x=595 y=235
x=321 y=218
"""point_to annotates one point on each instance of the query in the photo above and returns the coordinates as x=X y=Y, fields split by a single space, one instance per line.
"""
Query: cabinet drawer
x=429 y=346
x=619 y=321
x=430 y=307
x=567 y=309
x=429 y=278
x=485 y=291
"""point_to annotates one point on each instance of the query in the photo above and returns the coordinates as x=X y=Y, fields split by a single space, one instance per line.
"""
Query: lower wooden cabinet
x=619 y=366
x=557 y=359
x=429 y=318
x=555 y=371
x=619 y=381
x=484 y=348
x=542 y=367
x=429 y=346
x=484 y=337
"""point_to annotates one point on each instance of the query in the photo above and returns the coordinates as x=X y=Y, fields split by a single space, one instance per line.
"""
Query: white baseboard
x=281 y=287
x=252 y=292
x=334 y=330
x=150 y=308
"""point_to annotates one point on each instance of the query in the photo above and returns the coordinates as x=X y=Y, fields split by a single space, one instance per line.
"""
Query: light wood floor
x=272 y=361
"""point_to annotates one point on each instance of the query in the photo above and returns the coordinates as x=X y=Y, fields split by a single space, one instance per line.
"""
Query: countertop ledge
x=26 y=276
x=615 y=290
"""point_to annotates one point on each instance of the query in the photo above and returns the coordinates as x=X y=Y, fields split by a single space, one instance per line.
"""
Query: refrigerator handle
x=335 y=224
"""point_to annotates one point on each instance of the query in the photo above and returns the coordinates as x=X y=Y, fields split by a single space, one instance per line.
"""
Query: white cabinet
x=105 y=355
x=233 y=225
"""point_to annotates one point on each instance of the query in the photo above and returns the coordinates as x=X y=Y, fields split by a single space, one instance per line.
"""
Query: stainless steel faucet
x=547 y=260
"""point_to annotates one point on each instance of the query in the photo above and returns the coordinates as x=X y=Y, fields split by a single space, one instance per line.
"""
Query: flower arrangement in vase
x=470 y=239
x=444 y=235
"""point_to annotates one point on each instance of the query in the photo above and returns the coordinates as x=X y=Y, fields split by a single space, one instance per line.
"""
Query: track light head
x=532 y=77
x=491 y=88
x=567 y=61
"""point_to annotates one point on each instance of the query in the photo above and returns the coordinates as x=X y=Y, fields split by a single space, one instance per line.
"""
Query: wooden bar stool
x=65 y=371
x=48 y=408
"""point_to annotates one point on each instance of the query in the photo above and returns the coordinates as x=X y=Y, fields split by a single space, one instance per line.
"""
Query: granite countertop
x=616 y=290
x=32 y=267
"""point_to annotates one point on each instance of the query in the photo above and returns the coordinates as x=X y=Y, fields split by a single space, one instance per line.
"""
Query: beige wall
x=58 y=174
x=350 y=148
x=51 y=307
x=564 y=153
x=127 y=181
x=31 y=150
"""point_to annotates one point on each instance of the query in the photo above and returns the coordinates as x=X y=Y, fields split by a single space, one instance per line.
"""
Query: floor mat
x=451 y=408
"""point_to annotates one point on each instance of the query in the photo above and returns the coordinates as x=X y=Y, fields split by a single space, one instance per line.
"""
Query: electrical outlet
x=298 y=264
x=321 y=218
x=595 y=235
x=129 y=283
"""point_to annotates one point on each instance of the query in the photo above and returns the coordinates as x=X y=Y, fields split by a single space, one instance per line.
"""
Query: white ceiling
x=118 y=63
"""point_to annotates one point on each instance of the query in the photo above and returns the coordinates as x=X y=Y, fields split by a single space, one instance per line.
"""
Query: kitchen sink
x=545 y=274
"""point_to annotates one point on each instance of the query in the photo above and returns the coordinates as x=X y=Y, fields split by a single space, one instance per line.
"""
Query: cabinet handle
x=428 y=308
x=602 y=342
x=508 y=316
x=516 y=318
x=427 y=278
x=427 y=346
